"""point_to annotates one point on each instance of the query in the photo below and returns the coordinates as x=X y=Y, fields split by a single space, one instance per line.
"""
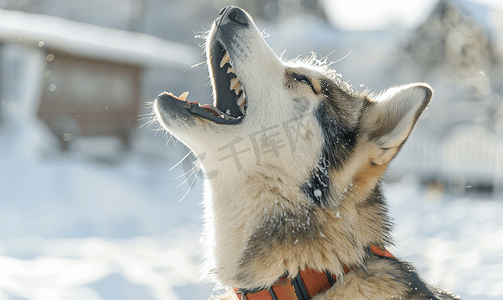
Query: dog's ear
x=389 y=118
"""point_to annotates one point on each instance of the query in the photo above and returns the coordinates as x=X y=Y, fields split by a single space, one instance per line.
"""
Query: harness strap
x=304 y=286
x=380 y=251
x=281 y=289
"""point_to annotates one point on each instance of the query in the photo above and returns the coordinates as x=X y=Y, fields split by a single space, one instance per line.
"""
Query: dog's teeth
x=184 y=96
x=224 y=60
x=242 y=109
x=235 y=83
x=230 y=70
x=241 y=101
x=238 y=90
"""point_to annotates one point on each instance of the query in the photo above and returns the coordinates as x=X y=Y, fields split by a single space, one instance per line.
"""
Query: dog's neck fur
x=260 y=234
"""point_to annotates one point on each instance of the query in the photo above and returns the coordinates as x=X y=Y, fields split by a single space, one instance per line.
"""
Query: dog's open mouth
x=230 y=97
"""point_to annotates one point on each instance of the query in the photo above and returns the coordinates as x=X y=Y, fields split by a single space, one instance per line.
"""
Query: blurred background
x=93 y=204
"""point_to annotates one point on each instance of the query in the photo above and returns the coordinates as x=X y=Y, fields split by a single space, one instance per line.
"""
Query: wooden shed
x=86 y=79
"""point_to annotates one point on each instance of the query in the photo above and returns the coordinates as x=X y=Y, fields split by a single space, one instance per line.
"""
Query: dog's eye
x=303 y=78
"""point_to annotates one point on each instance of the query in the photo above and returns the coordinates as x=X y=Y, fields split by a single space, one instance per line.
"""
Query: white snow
x=63 y=268
x=456 y=242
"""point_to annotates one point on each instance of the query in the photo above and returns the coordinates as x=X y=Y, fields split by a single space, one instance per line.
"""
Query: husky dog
x=293 y=159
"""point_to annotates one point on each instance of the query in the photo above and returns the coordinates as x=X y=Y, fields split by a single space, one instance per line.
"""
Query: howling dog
x=293 y=159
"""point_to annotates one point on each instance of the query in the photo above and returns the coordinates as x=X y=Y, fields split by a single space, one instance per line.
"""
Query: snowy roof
x=94 y=41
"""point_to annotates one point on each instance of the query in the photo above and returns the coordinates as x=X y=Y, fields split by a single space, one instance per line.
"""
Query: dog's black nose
x=234 y=14
x=237 y=15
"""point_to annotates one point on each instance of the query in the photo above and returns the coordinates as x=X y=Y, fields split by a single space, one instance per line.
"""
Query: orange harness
x=305 y=285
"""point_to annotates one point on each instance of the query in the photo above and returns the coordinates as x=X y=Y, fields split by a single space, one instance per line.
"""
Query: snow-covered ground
x=456 y=242
x=71 y=228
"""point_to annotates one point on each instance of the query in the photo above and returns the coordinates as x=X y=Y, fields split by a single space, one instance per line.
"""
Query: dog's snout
x=233 y=14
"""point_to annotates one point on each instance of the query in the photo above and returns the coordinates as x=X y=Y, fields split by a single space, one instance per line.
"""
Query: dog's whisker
x=340 y=59
x=181 y=160
x=188 y=190
x=147 y=123
x=191 y=171
x=198 y=64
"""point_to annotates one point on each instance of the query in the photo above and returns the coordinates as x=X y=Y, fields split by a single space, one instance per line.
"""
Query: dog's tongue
x=211 y=109
x=194 y=106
